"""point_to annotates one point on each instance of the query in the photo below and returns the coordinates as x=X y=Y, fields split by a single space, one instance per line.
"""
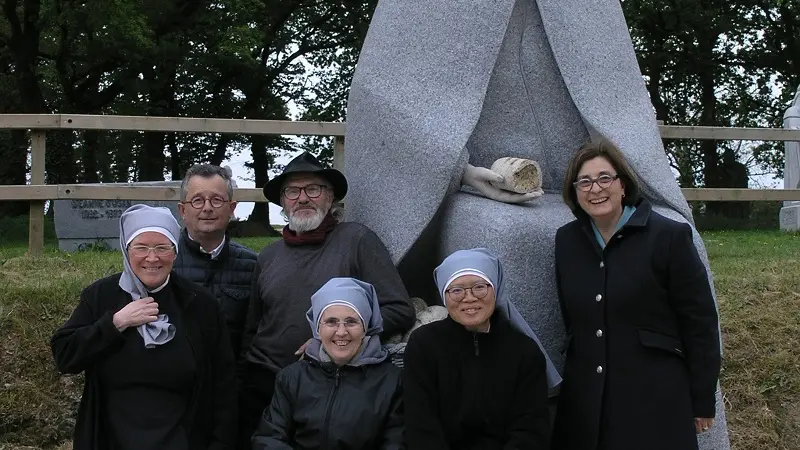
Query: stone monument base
x=790 y=217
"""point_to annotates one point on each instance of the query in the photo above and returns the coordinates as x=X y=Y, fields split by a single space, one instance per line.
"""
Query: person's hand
x=702 y=424
x=302 y=348
x=135 y=313
x=481 y=178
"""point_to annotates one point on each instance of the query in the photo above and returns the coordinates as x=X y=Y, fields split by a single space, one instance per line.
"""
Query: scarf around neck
x=315 y=236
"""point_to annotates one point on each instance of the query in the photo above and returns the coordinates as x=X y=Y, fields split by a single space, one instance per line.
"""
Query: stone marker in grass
x=84 y=224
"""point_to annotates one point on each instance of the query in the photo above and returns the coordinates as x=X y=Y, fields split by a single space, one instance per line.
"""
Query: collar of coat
x=194 y=246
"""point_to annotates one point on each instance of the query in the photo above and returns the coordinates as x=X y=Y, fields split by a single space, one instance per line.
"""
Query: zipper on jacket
x=475 y=343
x=331 y=398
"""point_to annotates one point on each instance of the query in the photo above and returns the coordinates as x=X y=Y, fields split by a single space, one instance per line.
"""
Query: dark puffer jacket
x=321 y=406
x=228 y=277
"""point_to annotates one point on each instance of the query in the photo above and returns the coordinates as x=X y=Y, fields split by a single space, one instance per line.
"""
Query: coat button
x=599 y=369
x=598 y=298
x=602 y=264
x=599 y=333
x=619 y=236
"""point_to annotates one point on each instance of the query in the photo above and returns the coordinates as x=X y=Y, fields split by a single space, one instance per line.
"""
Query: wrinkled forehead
x=213 y=184
x=304 y=179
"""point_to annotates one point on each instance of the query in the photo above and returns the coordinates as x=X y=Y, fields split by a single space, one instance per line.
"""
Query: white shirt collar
x=153 y=291
x=214 y=253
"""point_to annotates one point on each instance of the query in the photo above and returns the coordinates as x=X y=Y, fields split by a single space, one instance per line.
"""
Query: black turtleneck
x=471 y=390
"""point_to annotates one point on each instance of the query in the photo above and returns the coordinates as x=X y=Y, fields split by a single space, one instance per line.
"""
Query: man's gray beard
x=306 y=224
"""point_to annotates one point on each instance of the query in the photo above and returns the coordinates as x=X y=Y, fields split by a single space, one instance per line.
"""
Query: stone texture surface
x=470 y=80
x=83 y=223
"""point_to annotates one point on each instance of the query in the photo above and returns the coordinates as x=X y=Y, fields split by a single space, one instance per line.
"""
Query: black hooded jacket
x=318 y=405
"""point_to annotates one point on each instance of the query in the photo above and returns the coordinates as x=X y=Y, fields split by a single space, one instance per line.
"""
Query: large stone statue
x=443 y=89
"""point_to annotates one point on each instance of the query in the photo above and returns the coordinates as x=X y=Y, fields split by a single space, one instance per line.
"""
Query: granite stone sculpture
x=442 y=90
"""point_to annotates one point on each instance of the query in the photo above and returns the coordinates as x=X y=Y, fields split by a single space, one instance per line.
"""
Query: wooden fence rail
x=37 y=192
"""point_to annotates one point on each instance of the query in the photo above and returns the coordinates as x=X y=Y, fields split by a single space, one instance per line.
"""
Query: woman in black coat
x=643 y=349
x=345 y=394
x=158 y=362
x=476 y=380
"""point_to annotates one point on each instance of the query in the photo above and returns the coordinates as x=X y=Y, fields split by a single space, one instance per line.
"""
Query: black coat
x=319 y=406
x=474 y=391
x=643 y=348
x=229 y=277
x=89 y=337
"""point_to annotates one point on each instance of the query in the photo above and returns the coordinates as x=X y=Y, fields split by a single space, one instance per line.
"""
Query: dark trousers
x=255 y=394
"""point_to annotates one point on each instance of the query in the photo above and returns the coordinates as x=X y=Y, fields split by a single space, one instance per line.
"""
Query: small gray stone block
x=790 y=216
x=83 y=223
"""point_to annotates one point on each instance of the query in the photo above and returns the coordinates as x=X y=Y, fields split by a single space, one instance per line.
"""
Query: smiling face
x=305 y=213
x=151 y=268
x=467 y=309
x=341 y=333
x=598 y=202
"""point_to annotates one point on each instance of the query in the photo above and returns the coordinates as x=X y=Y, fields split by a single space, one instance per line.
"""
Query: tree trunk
x=13 y=153
x=89 y=156
x=262 y=161
x=221 y=149
x=162 y=94
x=175 y=158
x=60 y=157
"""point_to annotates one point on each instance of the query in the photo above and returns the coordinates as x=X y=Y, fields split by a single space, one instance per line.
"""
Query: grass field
x=757 y=278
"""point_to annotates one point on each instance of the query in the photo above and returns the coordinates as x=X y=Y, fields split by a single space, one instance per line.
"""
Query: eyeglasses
x=140 y=251
x=478 y=290
x=312 y=191
x=200 y=202
x=335 y=323
x=604 y=181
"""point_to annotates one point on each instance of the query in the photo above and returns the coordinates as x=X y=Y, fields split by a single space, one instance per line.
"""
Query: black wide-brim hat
x=306 y=163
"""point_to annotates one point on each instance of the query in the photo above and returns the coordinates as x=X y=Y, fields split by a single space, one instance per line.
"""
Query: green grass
x=757 y=279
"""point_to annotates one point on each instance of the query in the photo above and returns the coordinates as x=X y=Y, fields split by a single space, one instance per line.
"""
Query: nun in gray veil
x=345 y=393
x=154 y=347
x=477 y=379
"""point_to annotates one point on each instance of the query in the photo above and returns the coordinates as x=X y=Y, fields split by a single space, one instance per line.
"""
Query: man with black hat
x=316 y=247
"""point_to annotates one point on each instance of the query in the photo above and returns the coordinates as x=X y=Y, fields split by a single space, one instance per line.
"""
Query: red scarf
x=314 y=236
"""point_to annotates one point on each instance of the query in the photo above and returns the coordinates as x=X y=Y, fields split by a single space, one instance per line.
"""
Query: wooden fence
x=37 y=192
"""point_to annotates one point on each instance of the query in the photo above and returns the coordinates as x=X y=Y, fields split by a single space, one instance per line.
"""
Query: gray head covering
x=134 y=221
x=479 y=261
x=361 y=298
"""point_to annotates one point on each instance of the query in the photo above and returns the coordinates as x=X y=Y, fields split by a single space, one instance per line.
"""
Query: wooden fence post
x=36 y=221
x=338 y=153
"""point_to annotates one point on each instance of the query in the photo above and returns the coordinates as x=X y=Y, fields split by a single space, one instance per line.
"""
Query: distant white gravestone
x=790 y=213
x=81 y=224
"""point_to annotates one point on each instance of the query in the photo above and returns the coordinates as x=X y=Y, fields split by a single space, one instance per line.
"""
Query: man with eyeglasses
x=316 y=247
x=206 y=254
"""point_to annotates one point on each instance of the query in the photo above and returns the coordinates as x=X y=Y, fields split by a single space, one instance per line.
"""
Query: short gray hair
x=208 y=171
